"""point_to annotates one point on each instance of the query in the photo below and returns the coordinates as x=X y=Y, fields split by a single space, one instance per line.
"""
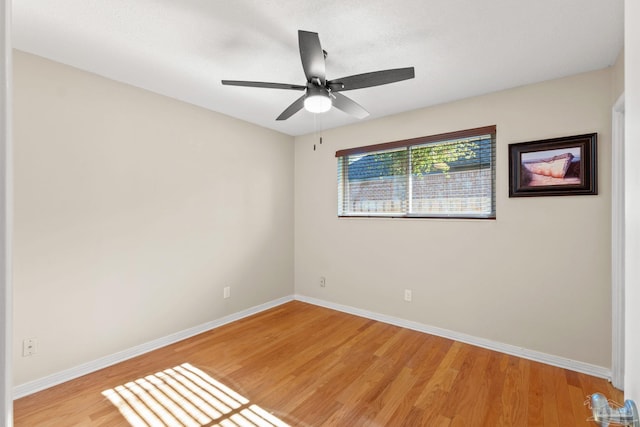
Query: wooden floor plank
x=513 y=411
x=494 y=383
x=535 y=395
x=311 y=366
x=566 y=417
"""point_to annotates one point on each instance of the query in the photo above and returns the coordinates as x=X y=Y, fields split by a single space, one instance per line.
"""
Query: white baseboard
x=537 y=356
x=103 y=362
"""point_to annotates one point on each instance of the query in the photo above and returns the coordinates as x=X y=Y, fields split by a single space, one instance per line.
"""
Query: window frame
x=342 y=155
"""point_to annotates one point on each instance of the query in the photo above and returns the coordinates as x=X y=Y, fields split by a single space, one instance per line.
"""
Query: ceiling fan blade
x=263 y=84
x=375 y=78
x=312 y=56
x=349 y=106
x=297 y=105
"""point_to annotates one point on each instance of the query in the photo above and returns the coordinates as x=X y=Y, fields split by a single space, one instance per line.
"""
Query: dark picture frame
x=565 y=166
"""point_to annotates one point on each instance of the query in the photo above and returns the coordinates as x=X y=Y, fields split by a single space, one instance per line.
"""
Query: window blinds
x=447 y=175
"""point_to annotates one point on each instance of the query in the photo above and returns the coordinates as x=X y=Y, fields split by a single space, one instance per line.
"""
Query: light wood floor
x=310 y=366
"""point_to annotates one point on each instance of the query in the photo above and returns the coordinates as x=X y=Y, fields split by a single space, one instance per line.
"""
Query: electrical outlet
x=408 y=295
x=226 y=292
x=29 y=347
x=323 y=281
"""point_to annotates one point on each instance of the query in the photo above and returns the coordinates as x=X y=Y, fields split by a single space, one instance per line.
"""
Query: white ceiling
x=459 y=48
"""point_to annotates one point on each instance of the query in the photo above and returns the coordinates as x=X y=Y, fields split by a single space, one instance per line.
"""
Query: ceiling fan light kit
x=321 y=94
x=317 y=100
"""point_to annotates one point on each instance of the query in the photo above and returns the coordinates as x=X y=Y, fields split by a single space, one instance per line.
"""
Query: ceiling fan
x=321 y=94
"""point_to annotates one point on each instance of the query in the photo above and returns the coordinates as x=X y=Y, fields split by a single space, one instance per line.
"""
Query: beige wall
x=538 y=277
x=132 y=212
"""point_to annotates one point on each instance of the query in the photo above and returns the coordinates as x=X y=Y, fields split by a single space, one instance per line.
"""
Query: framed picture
x=554 y=167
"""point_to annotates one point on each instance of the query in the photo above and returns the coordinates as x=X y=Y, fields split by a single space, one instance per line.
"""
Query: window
x=447 y=175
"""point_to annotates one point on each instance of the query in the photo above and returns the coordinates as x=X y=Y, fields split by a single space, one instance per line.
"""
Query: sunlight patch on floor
x=186 y=396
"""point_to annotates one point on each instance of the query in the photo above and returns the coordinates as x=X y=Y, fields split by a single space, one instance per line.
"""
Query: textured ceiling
x=459 y=48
